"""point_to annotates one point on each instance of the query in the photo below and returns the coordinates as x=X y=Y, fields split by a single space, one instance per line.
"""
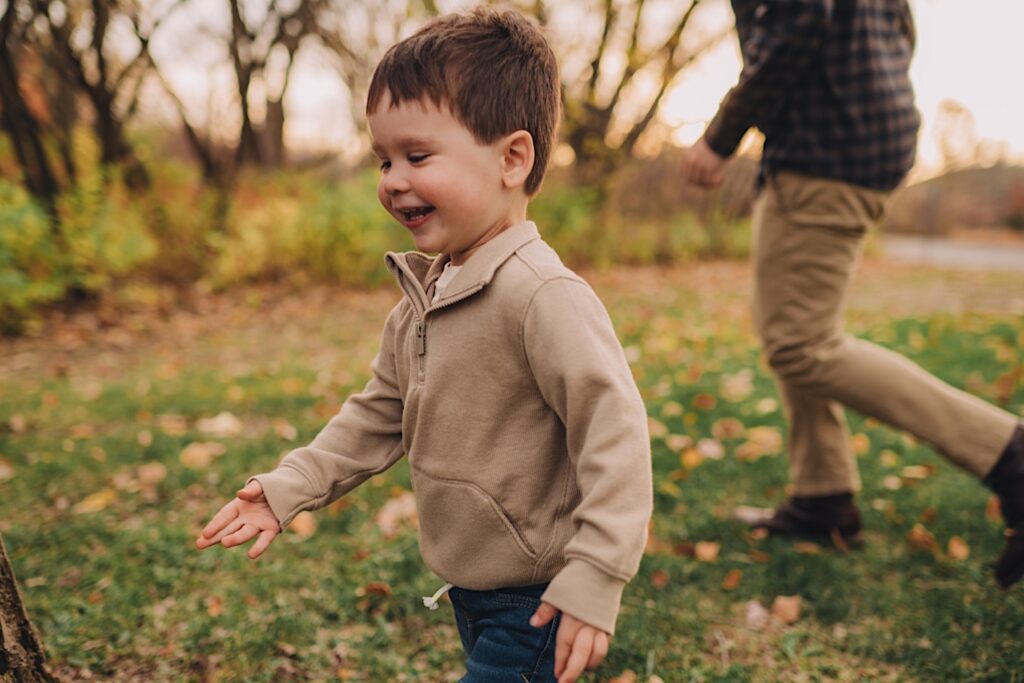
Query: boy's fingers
x=221 y=519
x=231 y=528
x=251 y=491
x=563 y=642
x=544 y=614
x=261 y=544
x=582 y=646
x=246 y=533
x=600 y=650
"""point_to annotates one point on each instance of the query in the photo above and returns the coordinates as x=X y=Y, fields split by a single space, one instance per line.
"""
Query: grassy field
x=118 y=441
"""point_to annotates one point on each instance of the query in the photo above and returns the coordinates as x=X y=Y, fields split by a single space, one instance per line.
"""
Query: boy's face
x=438 y=181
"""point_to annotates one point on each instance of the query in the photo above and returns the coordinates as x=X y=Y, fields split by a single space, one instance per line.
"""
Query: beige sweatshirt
x=526 y=435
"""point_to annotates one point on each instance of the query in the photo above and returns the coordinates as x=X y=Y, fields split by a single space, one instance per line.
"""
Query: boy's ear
x=517 y=158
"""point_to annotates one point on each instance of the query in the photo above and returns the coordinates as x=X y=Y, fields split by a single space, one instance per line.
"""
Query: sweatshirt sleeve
x=779 y=39
x=363 y=439
x=583 y=375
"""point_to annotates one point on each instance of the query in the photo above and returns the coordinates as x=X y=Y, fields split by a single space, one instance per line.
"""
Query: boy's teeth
x=411 y=214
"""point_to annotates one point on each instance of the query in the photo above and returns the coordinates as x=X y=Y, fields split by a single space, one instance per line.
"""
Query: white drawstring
x=431 y=602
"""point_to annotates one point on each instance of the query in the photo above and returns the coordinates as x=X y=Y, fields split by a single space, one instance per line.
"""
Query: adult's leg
x=815 y=230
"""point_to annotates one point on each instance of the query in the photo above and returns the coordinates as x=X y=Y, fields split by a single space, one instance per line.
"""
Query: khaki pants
x=808 y=234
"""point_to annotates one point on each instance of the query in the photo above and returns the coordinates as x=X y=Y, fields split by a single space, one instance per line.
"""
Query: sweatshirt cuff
x=587 y=593
x=287 y=492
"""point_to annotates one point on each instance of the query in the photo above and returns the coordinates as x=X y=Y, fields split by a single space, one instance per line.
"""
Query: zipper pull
x=421 y=337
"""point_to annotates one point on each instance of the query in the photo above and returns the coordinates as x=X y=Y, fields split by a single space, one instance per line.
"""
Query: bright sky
x=969 y=52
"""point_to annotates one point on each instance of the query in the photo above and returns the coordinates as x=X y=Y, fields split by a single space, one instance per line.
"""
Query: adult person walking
x=827 y=83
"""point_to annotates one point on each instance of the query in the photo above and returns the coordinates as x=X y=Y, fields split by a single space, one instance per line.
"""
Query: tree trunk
x=24 y=133
x=21 y=654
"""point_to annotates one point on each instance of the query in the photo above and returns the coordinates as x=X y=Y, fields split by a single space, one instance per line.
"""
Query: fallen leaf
x=173 y=425
x=732 y=579
x=223 y=425
x=215 y=605
x=145 y=438
x=958 y=548
x=920 y=538
x=711 y=449
x=993 y=510
x=706 y=551
x=889 y=458
x=756 y=616
x=704 y=401
x=917 y=471
x=766 y=406
x=199 y=454
x=678 y=442
x=659 y=578
x=82 y=431
x=691 y=458
x=152 y=473
x=860 y=444
x=807 y=548
x=285 y=430
x=727 y=428
x=738 y=387
x=760 y=556
x=95 y=502
x=6 y=470
x=374 y=588
x=892 y=482
x=396 y=511
x=672 y=409
x=786 y=608
x=303 y=524
x=656 y=428
x=18 y=423
x=287 y=649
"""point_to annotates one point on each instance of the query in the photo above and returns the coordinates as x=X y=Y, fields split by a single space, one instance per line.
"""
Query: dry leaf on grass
x=223 y=425
x=958 y=549
x=807 y=548
x=732 y=579
x=993 y=511
x=706 y=551
x=659 y=578
x=786 y=608
x=304 y=524
x=198 y=455
x=6 y=470
x=755 y=615
x=95 y=502
x=920 y=538
x=398 y=510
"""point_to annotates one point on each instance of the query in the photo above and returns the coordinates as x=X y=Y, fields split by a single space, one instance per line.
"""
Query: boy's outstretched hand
x=243 y=519
x=578 y=645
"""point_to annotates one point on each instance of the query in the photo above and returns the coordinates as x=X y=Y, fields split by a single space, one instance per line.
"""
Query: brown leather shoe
x=823 y=517
x=1007 y=480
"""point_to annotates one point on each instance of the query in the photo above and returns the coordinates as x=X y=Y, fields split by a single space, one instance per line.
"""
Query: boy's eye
x=417 y=158
x=385 y=165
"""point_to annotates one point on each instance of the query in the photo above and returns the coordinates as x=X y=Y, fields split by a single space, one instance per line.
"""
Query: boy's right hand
x=243 y=519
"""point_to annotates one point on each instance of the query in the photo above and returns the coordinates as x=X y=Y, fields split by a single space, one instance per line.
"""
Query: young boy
x=499 y=374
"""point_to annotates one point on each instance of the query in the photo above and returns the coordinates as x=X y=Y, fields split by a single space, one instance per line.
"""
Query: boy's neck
x=513 y=218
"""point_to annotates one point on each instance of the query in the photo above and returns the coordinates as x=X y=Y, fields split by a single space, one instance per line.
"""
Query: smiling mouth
x=412 y=215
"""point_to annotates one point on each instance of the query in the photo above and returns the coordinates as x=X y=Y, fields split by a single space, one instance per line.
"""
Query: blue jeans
x=500 y=644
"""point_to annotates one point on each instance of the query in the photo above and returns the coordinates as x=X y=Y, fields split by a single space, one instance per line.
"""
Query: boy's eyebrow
x=404 y=142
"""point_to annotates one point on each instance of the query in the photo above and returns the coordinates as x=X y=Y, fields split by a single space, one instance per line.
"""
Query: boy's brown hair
x=494 y=71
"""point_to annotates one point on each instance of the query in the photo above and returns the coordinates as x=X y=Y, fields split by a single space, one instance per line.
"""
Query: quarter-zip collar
x=417 y=272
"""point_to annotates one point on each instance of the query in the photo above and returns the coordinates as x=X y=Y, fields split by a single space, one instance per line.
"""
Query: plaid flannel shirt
x=827 y=83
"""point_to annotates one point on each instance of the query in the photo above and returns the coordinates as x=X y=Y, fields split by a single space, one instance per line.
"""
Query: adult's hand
x=702 y=166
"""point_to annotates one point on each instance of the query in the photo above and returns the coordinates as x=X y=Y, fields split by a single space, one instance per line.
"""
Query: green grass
x=119 y=591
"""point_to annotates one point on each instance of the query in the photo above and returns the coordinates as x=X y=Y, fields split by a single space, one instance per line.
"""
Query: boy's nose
x=394 y=182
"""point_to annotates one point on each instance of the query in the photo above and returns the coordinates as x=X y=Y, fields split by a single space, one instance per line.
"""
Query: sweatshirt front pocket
x=467 y=537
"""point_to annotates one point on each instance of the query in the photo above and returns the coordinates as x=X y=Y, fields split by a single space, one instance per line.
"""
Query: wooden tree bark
x=21 y=654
